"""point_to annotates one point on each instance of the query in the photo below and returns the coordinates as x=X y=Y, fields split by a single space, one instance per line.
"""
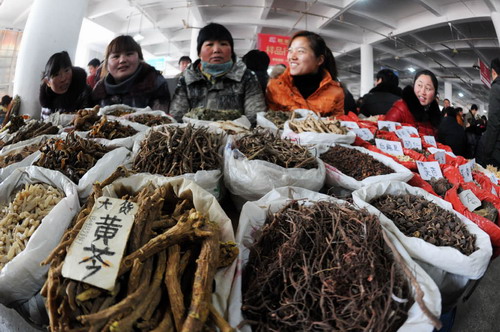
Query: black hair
x=123 y=43
x=473 y=107
x=451 y=111
x=215 y=31
x=318 y=45
x=495 y=64
x=388 y=77
x=5 y=100
x=431 y=75
x=94 y=62
x=55 y=63
x=184 y=58
x=256 y=60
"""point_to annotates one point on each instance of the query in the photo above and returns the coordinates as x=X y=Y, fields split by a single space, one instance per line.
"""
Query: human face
x=301 y=58
x=183 y=65
x=60 y=82
x=446 y=103
x=92 y=70
x=216 y=51
x=121 y=65
x=424 y=90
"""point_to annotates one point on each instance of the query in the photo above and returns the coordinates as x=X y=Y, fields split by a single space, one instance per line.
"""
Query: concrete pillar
x=482 y=109
x=495 y=18
x=366 y=69
x=193 y=53
x=448 y=92
x=52 y=26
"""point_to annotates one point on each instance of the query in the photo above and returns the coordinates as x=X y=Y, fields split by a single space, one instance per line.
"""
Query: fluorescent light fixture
x=460 y=94
x=138 y=37
x=411 y=69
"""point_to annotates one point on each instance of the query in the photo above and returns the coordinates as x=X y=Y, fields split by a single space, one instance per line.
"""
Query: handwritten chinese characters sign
x=275 y=46
x=391 y=147
x=429 y=170
x=95 y=255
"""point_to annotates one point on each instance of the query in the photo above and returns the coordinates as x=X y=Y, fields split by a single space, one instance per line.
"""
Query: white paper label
x=470 y=200
x=363 y=133
x=411 y=130
x=402 y=133
x=390 y=125
x=412 y=142
x=94 y=256
x=429 y=170
x=430 y=140
x=440 y=157
x=434 y=150
x=391 y=147
x=466 y=170
x=349 y=124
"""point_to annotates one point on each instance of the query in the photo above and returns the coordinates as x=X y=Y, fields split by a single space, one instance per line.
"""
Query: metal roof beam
x=430 y=7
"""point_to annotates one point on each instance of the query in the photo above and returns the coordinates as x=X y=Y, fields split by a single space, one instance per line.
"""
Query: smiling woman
x=64 y=88
x=130 y=80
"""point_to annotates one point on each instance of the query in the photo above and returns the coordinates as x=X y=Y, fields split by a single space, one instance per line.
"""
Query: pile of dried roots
x=325 y=267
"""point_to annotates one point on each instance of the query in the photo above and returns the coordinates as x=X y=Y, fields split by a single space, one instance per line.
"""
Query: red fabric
x=400 y=112
x=417 y=181
x=388 y=135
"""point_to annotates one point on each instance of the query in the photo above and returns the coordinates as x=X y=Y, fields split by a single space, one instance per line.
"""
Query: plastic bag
x=252 y=218
x=252 y=179
x=23 y=277
x=263 y=122
x=204 y=203
x=450 y=269
x=317 y=138
x=336 y=178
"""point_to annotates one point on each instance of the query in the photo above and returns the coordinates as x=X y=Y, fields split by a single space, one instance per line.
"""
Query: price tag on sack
x=363 y=133
x=470 y=200
x=402 y=133
x=389 y=125
x=412 y=142
x=429 y=170
x=411 y=130
x=440 y=157
x=391 y=147
x=430 y=140
x=466 y=170
x=95 y=255
x=349 y=124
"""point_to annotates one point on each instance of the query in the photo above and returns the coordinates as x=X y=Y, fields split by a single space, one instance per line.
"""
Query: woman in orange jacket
x=310 y=81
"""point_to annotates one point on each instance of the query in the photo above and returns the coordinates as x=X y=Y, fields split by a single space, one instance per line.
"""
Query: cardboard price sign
x=440 y=157
x=94 y=256
x=391 y=147
x=469 y=200
x=349 y=124
x=429 y=170
x=411 y=130
x=363 y=133
x=390 y=125
x=412 y=143
x=430 y=140
x=466 y=170
x=402 y=133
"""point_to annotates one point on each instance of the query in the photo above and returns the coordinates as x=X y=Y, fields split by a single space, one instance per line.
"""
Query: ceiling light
x=138 y=37
x=411 y=69
x=460 y=94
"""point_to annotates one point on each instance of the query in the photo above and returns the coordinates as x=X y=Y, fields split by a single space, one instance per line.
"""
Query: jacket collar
x=286 y=77
x=421 y=114
x=193 y=74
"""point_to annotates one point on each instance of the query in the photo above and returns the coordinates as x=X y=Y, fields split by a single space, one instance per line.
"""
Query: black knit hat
x=215 y=31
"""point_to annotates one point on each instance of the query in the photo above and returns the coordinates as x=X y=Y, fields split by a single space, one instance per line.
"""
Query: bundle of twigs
x=354 y=163
x=325 y=267
x=111 y=129
x=32 y=129
x=174 y=150
x=73 y=156
x=165 y=277
x=264 y=145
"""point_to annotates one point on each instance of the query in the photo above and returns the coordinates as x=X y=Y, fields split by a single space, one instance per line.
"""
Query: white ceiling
x=446 y=36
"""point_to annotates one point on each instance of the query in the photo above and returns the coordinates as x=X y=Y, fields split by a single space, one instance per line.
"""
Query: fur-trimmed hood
x=419 y=112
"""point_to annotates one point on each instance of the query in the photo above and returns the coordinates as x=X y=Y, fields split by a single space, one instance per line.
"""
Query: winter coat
x=409 y=110
x=146 y=87
x=452 y=134
x=283 y=95
x=77 y=96
x=380 y=99
x=491 y=137
x=238 y=89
